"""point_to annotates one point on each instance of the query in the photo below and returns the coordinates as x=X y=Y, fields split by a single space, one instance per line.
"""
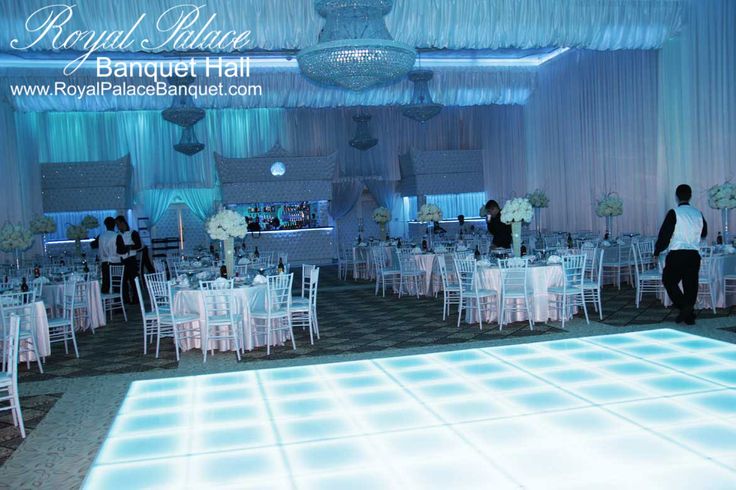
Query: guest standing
x=501 y=231
x=128 y=245
x=106 y=244
x=680 y=234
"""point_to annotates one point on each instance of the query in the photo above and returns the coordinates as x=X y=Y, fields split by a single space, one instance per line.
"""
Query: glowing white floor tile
x=654 y=409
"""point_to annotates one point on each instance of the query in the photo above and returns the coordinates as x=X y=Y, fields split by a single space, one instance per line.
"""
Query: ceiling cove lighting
x=355 y=49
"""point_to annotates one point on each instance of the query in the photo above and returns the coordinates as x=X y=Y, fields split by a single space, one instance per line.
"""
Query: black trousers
x=105 y=270
x=682 y=266
x=129 y=274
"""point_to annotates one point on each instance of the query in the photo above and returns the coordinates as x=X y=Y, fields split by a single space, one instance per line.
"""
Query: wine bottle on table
x=24 y=286
x=719 y=239
x=477 y=253
x=569 y=240
x=280 y=267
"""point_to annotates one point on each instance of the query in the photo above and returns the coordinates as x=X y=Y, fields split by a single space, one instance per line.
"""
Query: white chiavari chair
x=276 y=313
x=150 y=320
x=179 y=326
x=304 y=309
x=571 y=293
x=450 y=288
x=515 y=290
x=647 y=277
x=61 y=329
x=113 y=300
x=592 y=283
x=223 y=321
x=706 y=282
x=471 y=294
x=22 y=305
x=9 y=374
x=384 y=272
x=409 y=272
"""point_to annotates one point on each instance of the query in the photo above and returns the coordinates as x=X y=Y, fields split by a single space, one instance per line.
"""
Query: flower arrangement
x=226 y=224
x=538 y=199
x=90 y=222
x=15 y=238
x=517 y=210
x=429 y=212
x=381 y=215
x=76 y=232
x=722 y=196
x=610 y=205
x=41 y=225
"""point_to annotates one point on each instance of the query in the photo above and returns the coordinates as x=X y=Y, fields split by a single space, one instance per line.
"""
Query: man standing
x=127 y=245
x=680 y=234
x=107 y=252
x=501 y=231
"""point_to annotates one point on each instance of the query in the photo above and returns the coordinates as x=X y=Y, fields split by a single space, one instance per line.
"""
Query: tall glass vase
x=725 y=215
x=609 y=226
x=538 y=221
x=17 y=259
x=516 y=237
x=228 y=245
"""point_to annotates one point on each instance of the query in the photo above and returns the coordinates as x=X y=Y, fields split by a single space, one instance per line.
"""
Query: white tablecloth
x=540 y=279
x=722 y=264
x=42 y=333
x=53 y=297
x=192 y=301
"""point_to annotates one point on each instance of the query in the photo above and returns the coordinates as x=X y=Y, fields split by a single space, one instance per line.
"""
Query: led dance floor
x=652 y=409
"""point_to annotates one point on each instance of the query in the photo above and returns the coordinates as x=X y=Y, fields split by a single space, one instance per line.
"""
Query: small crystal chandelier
x=182 y=111
x=363 y=139
x=422 y=107
x=189 y=144
x=355 y=49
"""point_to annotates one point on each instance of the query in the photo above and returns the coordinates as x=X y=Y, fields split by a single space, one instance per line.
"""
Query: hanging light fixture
x=189 y=144
x=363 y=139
x=182 y=111
x=422 y=107
x=355 y=49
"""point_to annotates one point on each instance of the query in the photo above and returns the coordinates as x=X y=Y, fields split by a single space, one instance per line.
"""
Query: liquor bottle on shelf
x=24 y=286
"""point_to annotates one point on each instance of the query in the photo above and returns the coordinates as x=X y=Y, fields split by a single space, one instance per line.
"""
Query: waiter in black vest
x=501 y=231
x=680 y=235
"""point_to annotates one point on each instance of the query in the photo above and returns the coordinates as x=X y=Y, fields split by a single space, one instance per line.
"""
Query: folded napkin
x=75 y=277
x=203 y=275
x=416 y=250
x=588 y=244
x=554 y=259
x=440 y=249
x=461 y=248
x=515 y=261
x=41 y=280
x=620 y=242
x=362 y=244
x=244 y=261
x=729 y=249
x=484 y=263
x=606 y=243
x=259 y=279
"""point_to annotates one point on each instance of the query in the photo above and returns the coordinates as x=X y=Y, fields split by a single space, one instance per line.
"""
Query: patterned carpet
x=352 y=320
x=34 y=409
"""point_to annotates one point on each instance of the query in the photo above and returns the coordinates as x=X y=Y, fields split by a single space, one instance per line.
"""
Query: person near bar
x=681 y=232
x=128 y=245
x=106 y=245
x=501 y=231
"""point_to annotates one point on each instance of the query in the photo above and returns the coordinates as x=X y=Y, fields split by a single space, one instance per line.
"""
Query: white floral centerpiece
x=609 y=205
x=382 y=215
x=429 y=213
x=77 y=232
x=723 y=197
x=515 y=212
x=90 y=222
x=15 y=238
x=538 y=199
x=41 y=225
x=227 y=225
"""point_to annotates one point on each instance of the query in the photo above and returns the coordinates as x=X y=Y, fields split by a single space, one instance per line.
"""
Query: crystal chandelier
x=355 y=49
x=189 y=144
x=363 y=139
x=182 y=111
x=422 y=107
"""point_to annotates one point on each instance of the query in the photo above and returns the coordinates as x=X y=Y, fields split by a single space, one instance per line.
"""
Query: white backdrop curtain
x=697 y=110
x=591 y=128
x=294 y=24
